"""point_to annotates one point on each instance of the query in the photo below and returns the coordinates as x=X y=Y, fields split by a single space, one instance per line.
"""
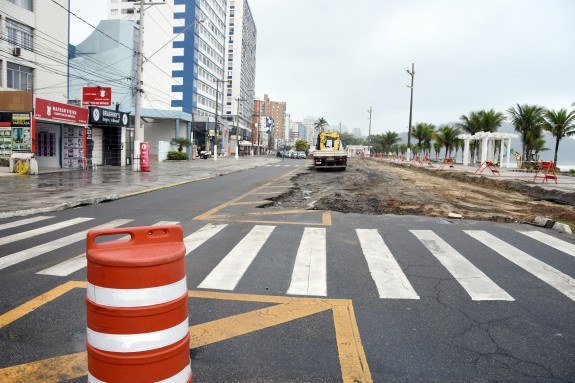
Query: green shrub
x=177 y=156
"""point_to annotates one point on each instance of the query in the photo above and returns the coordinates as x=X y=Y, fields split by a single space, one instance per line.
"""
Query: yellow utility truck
x=329 y=153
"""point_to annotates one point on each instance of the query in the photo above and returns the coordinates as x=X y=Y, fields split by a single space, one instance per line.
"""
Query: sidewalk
x=565 y=183
x=59 y=189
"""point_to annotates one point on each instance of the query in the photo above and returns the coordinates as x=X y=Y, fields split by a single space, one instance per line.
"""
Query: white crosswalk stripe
x=549 y=240
x=33 y=252
x=389 y=279
x=227 y=274
x=474 y=281
x=563 y=283
x=42 y=230
x=79 y=262
x=309 y=275
x=195 y=240
x=23 y=222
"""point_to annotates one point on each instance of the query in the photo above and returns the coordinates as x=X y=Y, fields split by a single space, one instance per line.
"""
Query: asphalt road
x=313 y=297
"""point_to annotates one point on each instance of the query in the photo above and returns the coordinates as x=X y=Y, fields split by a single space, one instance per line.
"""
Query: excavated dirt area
x=380 y=187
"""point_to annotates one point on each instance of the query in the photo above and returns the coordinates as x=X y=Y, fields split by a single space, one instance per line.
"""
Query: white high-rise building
x=240 y=68
x=184 y=53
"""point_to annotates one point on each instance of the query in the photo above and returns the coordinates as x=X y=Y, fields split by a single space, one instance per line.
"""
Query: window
x=19 y=77
x=26 y=4
x=113 y=11
x=19 y=34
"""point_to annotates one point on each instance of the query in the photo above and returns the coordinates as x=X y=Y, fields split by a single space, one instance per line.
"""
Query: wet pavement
x=58 y=189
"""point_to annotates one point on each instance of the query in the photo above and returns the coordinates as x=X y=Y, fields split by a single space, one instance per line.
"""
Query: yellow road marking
x=241 y=324
x=211 y=215
x=251 y=202
x=41 y=300
x=353 y=362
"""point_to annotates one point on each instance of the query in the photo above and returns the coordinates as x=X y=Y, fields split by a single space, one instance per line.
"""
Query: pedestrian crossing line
x=22 y=222
x=549 y=240
x=541 y=270
x=309 y=276
x=389 y=279
x=42 y=230
x=79 y=262
x=35 y=251
x=195 y=240
x=474 y=281
x=227 y=274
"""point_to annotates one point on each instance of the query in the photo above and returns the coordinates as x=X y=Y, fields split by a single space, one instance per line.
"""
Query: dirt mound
x=376 y=187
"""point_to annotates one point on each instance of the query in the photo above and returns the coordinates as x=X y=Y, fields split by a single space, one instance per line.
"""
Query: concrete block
x=544 y=222
x=563 y=228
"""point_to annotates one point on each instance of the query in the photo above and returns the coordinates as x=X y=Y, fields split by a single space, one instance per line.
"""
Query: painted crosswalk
x=307 y=268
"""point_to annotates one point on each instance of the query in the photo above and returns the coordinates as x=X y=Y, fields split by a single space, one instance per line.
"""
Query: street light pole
x=239 y=99
x=216 y=127
x=412 y=74
x=370 y=110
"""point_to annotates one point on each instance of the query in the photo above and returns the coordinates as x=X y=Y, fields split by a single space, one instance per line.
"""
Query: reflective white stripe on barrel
x=137 y=342
x=106 y=296
x=181 y=377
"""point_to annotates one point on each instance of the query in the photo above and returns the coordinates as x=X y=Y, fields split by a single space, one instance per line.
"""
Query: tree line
x=529 y=121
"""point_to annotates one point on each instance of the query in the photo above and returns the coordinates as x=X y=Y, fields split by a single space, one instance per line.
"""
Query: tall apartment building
x=34 y=47
x=240 y=67
x=276 y=110
x=184 y=53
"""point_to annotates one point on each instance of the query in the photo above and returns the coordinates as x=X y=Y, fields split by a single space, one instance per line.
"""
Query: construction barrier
x=547 y=168
x=447 y=161
x=485 y=165
x=137 y=312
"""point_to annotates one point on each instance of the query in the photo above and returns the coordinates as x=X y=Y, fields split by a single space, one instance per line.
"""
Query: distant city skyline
x=472 y=55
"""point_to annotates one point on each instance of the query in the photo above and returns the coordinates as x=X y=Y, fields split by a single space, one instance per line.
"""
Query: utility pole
x=217 y=122
x=370 y=110
x=138 y=130
x=412 y=74
x=239 y=99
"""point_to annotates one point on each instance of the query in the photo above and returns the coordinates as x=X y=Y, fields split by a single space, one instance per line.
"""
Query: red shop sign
x=97 y=96
x=52 y=110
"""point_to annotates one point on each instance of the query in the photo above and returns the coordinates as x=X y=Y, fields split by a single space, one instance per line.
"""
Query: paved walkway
x=58 y=189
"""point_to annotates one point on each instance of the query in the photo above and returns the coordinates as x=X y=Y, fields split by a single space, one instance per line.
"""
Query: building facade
x=240 y=72
x=276 y=110
x=183 y=70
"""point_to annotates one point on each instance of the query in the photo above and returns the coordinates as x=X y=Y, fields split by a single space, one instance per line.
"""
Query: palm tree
x=180 y=142
x=320 y=125
x=560 y=124
x=527 y=120
x=471 y=124
x=422 y=131
x=448 y=135
x=390 y=139
x=437 y=148
x=490 y=120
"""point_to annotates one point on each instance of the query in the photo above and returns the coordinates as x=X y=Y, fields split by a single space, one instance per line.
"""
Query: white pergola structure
x=488 y=142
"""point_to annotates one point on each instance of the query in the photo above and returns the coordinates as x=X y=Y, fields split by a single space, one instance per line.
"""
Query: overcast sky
x=335 y=58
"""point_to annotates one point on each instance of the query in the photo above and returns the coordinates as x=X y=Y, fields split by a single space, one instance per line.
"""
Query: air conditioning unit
x=17 y=51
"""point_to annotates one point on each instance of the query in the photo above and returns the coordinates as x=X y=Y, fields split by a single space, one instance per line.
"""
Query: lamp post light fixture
x=412 y=74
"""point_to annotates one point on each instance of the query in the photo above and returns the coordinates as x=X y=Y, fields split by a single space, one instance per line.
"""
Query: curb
x=548 y=223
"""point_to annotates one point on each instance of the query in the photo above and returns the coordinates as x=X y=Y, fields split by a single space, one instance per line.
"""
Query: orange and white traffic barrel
x=137 y=311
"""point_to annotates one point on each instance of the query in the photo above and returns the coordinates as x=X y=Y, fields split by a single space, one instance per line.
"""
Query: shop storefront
x=110 y=144
x=15 y=133
x=60 y=135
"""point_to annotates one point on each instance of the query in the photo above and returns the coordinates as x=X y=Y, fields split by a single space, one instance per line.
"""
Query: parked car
x=301 y=155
